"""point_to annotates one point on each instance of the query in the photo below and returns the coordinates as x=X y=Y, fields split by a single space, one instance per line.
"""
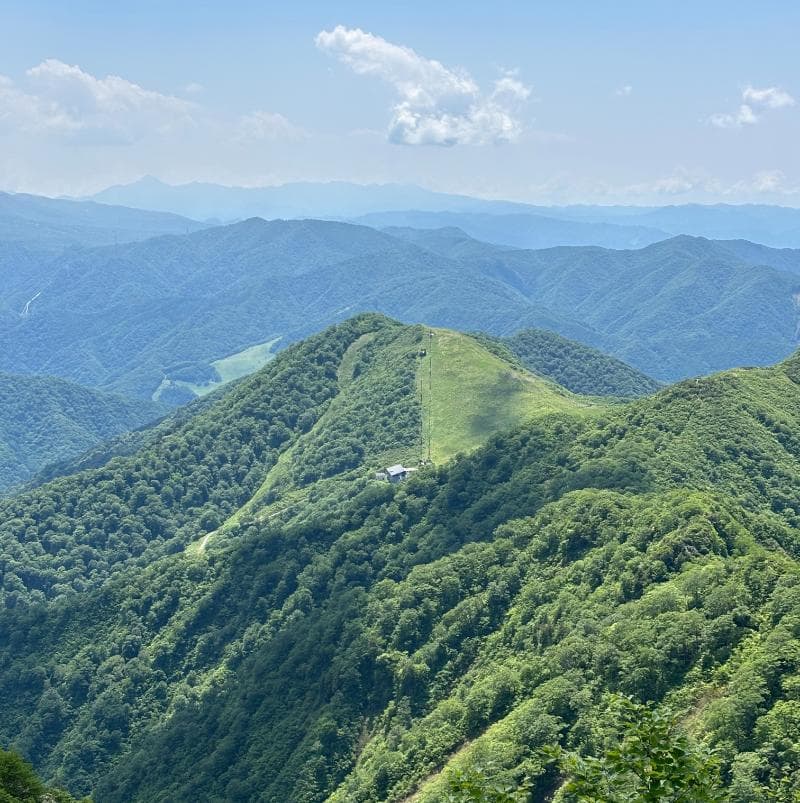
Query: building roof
x=393 y=471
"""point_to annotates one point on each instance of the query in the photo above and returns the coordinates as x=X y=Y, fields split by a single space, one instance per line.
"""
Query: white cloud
x=770 y=98
x=511 y=86
x=769 y=181
x=64 y=100
x=436 y=105
x=754 y=103
x=15 y=106
x=193 y=88
x=624 y=91
x=699 y=185
x=745 y=116
x=259 y=126
x=676 y=184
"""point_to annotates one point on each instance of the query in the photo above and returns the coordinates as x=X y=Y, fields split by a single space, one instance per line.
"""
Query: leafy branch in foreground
x=479 y=784
x=19 y=784
x=648 y=758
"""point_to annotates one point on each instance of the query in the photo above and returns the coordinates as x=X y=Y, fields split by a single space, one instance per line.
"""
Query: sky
x=575 y=101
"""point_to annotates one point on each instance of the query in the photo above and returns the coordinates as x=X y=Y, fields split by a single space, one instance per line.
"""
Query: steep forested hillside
x=577 y=367
x=785 y=259
x=126 y=443
x=45 y=420
x=329 y=636
x=373 y=374
x=147 y=317
x=39 y=236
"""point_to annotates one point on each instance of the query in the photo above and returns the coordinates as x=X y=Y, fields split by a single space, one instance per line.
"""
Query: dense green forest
x=47 y=420
x=240 y=611
x=577 y=367
x=130 y=317
x=74 y=533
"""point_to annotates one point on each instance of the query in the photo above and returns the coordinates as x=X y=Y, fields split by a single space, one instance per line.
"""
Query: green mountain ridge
x=130 y=317
x=575 y=366
x=45 y=420
x=340 y=638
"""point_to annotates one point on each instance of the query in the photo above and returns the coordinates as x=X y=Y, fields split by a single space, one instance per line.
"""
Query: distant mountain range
x=523 y=230
x=547 y=225
x=128 y=317
x=49 y=224
x=334 y=199
x=777 y=226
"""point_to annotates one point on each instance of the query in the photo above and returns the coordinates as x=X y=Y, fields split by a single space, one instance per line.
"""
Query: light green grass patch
x=234 y=366
x=245 y=362
x=469 y=394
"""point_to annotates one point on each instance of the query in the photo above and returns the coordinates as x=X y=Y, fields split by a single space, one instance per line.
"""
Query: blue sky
x=643 y=102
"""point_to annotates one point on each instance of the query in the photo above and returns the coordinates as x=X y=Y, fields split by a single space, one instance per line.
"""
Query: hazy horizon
x=542 y=104
x=400 y=184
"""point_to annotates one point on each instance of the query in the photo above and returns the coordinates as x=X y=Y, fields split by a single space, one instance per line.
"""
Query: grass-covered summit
x=339 y=638
x=469 y=392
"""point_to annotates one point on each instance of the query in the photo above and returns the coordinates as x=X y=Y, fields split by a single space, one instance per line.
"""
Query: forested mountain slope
x=125 y=318
x=785 y=259
x=23 y=270
x=126 y=443
x=328 y=636
x=314 y=425
x=45 y=420
x=573 y=365
x=39 y=236
x=675 y=308
x=374 y=374
x=142 y=317
x=150 y=308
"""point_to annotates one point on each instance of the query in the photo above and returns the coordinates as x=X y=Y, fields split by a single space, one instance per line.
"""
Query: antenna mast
x=430 y=389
